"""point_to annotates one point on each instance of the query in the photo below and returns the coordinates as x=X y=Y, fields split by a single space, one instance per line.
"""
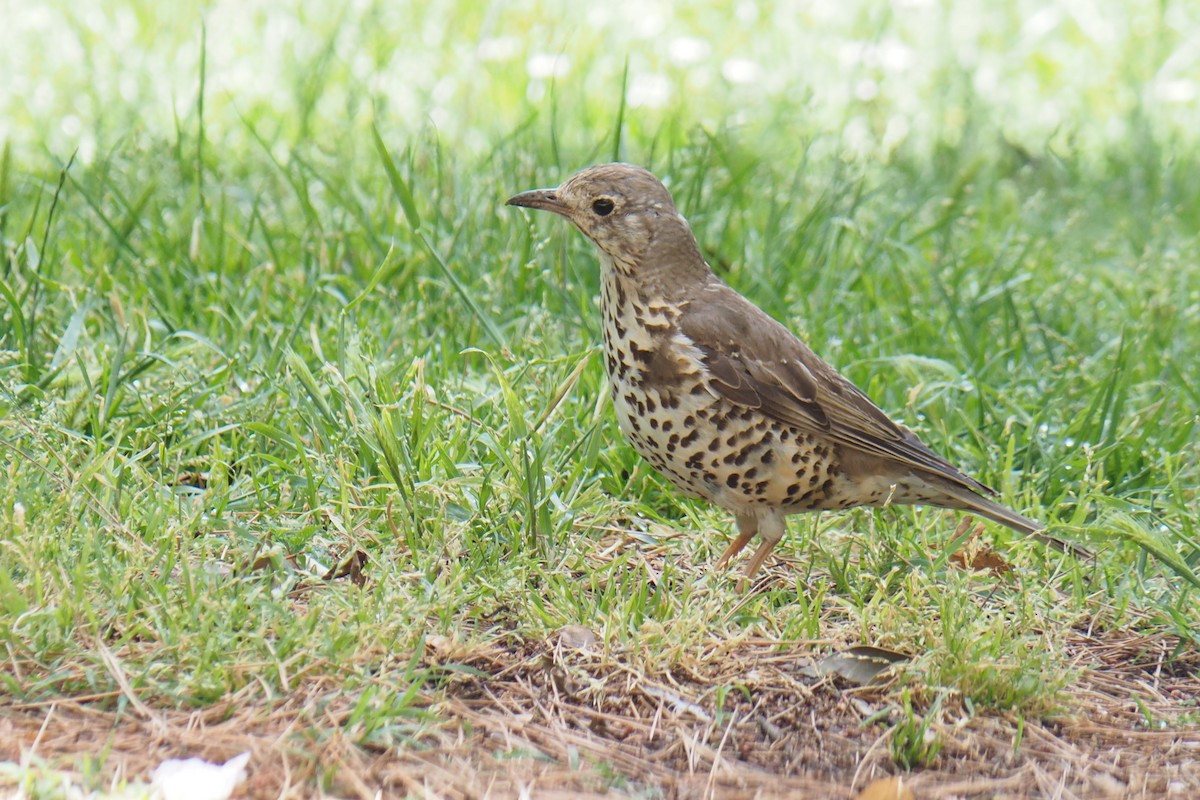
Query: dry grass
x=569 y=717
x=554 y=722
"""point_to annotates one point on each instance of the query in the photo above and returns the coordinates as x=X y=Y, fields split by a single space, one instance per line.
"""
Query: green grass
x=236 y=351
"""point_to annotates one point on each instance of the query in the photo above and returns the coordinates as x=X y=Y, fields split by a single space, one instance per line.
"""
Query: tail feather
x=970 y=501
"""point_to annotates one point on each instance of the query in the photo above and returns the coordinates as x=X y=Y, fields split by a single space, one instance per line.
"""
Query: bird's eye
x=603 y=207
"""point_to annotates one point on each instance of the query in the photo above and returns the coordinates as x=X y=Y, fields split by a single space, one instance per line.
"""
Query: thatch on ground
x=545 y=719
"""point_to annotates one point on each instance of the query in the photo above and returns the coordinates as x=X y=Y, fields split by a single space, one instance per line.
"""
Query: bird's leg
x=747 y=527
x=771 y=529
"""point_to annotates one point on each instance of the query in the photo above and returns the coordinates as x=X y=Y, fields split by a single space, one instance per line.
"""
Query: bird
x=724 y=400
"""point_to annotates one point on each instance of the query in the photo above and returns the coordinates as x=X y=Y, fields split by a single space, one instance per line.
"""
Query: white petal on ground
x=197 y=779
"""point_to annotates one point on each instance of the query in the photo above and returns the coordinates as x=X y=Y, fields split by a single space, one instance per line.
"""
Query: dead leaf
x=564 y=683
x=975 y=554
x=444 y=650
x=273 y=558
x=193 y=480
x=351 y=567
x=576 y=637
x=860 y=665
x=893 y=788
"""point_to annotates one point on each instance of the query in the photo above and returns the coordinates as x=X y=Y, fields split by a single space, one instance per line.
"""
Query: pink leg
x=747 y=527
x=771 y=529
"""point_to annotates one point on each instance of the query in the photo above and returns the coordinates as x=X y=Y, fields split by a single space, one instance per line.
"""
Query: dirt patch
x=547 y=720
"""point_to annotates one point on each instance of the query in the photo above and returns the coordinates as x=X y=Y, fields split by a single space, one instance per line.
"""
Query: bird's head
x=623 y=209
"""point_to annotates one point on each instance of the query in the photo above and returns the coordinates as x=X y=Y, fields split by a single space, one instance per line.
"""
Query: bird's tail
x=970 y=501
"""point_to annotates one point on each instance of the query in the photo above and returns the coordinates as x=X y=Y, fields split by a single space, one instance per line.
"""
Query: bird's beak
x=545 y=199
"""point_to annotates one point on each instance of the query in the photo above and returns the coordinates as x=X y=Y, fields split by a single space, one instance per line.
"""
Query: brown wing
x=757 y=363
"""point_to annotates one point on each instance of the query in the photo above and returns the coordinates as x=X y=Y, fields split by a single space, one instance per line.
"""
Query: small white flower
x=685 y=50
x=498 y=48
x=651 y=91
x=544 y=65
x=740 y=70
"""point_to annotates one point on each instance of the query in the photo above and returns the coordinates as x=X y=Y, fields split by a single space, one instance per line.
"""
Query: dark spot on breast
x=768 y=457
x=732 y=480
x=804 y=499
x=639 y=354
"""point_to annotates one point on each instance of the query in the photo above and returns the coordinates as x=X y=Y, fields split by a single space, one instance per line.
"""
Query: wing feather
x=757 y=363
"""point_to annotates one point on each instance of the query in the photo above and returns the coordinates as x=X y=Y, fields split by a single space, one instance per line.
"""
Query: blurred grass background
x=1072 y=76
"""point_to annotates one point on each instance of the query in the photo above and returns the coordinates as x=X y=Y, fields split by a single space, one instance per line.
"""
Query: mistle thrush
x=724 y=400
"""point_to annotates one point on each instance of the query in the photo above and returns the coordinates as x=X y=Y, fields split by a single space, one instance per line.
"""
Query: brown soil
x=542 y=719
